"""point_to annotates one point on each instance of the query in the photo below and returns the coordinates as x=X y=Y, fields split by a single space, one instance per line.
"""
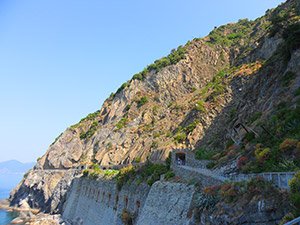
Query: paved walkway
x=279 y=179
x=205 y=172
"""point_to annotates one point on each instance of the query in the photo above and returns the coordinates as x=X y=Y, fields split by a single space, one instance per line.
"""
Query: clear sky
x=60 y=59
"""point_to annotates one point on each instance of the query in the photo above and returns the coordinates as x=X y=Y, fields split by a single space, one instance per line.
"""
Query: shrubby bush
x=295 y=191
x=127 y=217
x=122 y=123
x=174 y=57
x=200 y=106
x=180 y=137
x=91 y=131
x=149 y=173
x=262 y=154
x=142 y=101
x=203 y=154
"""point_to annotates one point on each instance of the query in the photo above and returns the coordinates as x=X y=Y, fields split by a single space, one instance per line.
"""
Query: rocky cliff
x=199 y=96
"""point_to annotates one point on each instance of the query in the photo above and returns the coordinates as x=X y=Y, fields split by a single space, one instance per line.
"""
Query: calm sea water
x=6 y=217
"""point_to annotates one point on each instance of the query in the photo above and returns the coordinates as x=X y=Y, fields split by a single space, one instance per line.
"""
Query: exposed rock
x=189 y=104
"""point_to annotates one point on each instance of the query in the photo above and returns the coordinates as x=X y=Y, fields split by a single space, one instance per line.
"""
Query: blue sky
x=60 y=59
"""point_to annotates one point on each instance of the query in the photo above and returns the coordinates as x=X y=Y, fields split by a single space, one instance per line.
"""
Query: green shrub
x=288 y=77
x=230 y=34
x=122 y=123
x=255 y=117
x=180 y=137
x=288 y=217
x=137 y=159
x=127 y=108
x=203 y=154
x=109 y=145
x=123 y=86
x=297 y=92
x=127 y=217
x=292 y=36
x=169 y=160
x=211 y=165
x=138 y=76
x=295 y=191
x=91 y=131
x=191 y=127
x=169 y=175
x=262 y=154
x=86 y=173
x=142 y=101
x=154 y=144
x=148 y=173
x=200 y=106
x=124 y=175
x=174 y=57
x=110 y=172
x=229 y=143
x=89 y=117
x=250 y=136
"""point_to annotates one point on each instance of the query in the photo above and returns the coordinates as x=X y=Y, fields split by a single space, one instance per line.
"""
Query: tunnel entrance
x=180 y=158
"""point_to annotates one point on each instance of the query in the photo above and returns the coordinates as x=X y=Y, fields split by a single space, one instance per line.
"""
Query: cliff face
x=139 y=120
x=192 y=98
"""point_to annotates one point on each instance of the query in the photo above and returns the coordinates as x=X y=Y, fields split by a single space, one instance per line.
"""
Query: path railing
x=294 y=222
x=279 y=179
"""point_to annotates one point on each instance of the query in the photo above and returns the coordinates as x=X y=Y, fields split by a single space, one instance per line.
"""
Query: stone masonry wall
x=167 y=204
x=92 y=202
x=99 y=201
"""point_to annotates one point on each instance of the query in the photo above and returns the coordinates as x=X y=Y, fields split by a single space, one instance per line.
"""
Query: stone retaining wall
x=167 y=204
x=91 y=202
x=100 y=202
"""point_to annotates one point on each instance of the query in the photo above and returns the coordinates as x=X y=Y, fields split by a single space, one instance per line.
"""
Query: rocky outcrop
x=43 y=189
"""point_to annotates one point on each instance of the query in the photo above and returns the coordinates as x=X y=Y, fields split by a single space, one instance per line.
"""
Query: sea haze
x=12 y=172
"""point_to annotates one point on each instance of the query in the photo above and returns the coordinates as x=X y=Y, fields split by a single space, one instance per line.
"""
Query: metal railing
x=294 y=222
x=279 y=179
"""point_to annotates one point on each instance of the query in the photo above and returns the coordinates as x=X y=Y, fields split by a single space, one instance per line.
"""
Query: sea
x=11 y=173
x=6 y=217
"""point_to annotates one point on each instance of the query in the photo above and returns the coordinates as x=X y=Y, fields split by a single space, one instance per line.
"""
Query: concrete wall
x=91 y=202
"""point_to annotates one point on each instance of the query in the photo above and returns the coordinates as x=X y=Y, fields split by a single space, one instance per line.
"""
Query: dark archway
x=180 y=158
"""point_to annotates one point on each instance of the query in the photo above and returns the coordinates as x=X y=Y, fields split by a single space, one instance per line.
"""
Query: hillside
x=232 y=96
x=11 y=172
x=14 y=166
